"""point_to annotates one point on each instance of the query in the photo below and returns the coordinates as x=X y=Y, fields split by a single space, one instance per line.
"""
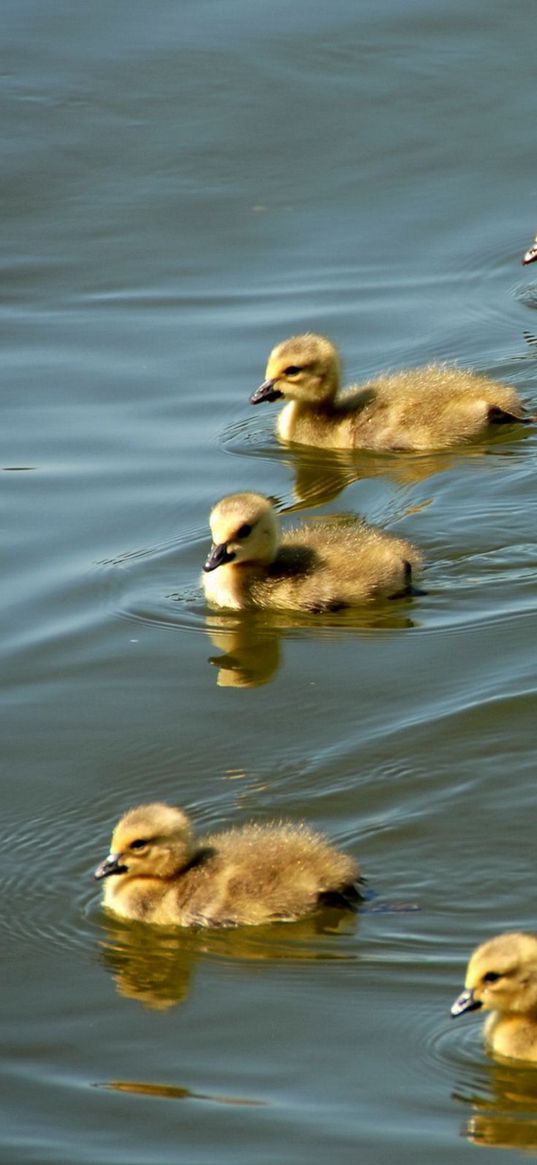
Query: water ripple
x=47 y=891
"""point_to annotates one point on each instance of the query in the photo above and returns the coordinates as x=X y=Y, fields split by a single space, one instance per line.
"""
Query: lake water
x=184 y=186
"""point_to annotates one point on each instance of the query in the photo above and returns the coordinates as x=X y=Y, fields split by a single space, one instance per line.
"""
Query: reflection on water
x=251 y=651
x=320 y=475
x=173 y=1092
x=155 y=965
x=250 y=641
x=148 y=964
x=505 y=1108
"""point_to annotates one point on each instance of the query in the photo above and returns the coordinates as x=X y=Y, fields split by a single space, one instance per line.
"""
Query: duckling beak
x=465 y=1002
x=531 y=254
x=111 y=865
x=267 y=391
x=218 y=556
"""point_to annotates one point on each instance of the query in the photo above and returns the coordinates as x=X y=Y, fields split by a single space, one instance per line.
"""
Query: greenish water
x=185 y=185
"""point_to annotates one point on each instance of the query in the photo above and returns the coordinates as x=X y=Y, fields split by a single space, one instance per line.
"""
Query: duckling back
x=259 y=874
x=431 y=408
x=333 y=564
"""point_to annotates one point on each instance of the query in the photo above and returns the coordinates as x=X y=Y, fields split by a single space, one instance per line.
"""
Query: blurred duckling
x=531 y=253
x=433 y=407
x=325 y=566
x=158 y=872
x=502 y=978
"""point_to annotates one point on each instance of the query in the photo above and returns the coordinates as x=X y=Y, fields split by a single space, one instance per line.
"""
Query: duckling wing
x=277 y=872
x=355 y=562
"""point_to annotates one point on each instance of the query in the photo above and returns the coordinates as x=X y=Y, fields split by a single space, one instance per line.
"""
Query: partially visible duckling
x=433 y=407
x=531 y=253
x=158 y=872
x=502 y=978
x=326 y=566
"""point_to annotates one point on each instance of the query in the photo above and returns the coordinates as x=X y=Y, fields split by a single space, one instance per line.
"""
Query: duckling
x=323 y=567
x=158 y=872
x=433 y=407
x=531 y=253
x=502 y=978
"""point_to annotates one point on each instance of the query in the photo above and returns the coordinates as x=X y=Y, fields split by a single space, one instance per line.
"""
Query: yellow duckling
x=419 y=408
x=502 y=978
x=158 y=872
x=326 y=566
x=531 y=253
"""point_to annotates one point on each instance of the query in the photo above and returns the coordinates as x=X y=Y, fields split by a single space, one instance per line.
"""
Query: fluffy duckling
x=158 y=872
x=531 y=253
x=502 y=978
x=326 y=566
x=419 y=408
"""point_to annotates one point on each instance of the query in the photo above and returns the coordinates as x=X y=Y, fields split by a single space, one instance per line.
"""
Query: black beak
x=465 y=1002
x=266 y=391
x=218 y=556
x=111 y=865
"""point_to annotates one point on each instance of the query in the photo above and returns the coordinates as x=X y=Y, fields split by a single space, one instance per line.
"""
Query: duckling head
x=501 y=976
x=245 y=529
x=304 y=368
x=149 y=841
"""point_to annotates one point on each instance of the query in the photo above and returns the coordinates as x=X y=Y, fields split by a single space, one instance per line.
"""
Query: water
x=184 y=186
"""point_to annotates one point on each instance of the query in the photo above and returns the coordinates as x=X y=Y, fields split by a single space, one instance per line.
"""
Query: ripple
x=458 y=1046
x=141 y=584
x=47 y=891
x=422 y=971
x=526 y=294
x=247 y=435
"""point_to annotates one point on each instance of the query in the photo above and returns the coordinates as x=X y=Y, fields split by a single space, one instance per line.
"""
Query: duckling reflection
x=251 y=653
x=504 y=1104
x=326 y=566
x=502 y=978
x=155 y=966
x=434 y=407
x=250 y=642
x=149 y=966
x=320 y=475
x=531 y=253
x=157 y=872
x=498 y=1131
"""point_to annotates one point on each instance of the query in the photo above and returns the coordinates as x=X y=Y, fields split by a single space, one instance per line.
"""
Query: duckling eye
x=491 y=977
x=293 y=370
x=244 y=531
x=140 y=843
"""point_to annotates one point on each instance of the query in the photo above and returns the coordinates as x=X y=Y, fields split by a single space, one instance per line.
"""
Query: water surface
x=185 y=185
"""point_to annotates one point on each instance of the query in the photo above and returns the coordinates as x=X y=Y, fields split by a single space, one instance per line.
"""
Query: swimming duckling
x=531 y=253
x=433 y=407
x=158 y=872
x=502 y=978
x=323 y=567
